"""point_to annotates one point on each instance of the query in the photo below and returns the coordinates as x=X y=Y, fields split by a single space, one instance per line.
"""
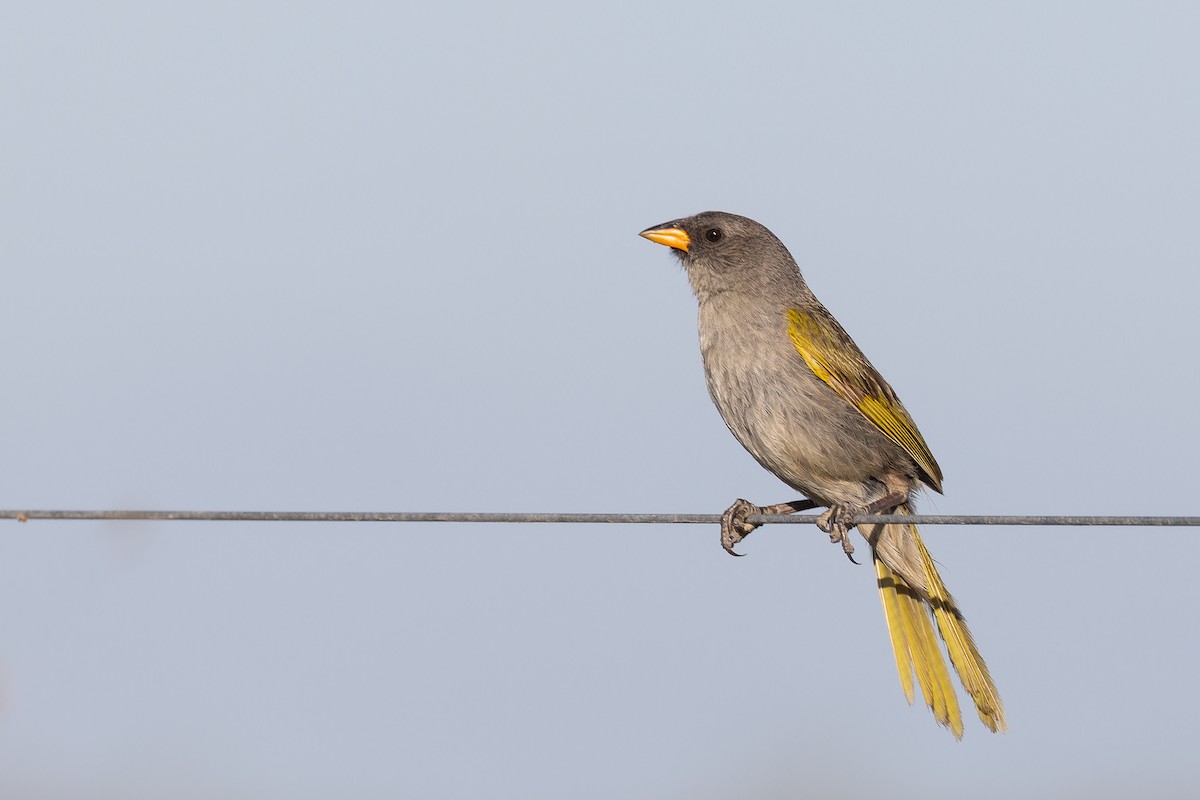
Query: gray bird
x=800 y=396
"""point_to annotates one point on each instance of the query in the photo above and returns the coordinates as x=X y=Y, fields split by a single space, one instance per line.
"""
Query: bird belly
x=800 y=429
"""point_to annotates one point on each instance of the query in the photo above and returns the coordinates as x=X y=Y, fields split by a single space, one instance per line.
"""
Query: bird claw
x=734 y=526
x=838 y=522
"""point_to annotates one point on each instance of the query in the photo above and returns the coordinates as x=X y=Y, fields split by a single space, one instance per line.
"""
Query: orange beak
x=671 y=237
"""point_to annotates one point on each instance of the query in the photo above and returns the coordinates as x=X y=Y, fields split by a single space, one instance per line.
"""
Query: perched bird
x=801 y=397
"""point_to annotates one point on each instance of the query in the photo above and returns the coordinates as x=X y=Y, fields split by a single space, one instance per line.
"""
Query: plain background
x=300 y=256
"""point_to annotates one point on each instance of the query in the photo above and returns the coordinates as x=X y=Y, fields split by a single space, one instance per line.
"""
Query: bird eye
x=713 y=234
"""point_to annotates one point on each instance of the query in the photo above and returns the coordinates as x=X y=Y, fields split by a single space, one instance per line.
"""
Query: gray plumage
x=802 y=398
x=790 y=420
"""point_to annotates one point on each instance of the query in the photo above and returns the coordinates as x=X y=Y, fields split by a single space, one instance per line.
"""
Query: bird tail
x=914 y=598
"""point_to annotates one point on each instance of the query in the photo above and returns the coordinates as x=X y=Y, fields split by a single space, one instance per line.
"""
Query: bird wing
x=835 y=359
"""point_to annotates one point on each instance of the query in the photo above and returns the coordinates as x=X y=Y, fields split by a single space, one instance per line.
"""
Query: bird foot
x=734 y=526
x=838 y=521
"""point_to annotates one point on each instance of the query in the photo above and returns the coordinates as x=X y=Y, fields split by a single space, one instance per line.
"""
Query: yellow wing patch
x=836 y=360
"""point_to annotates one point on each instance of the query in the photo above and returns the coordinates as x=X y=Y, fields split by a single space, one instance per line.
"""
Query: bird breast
x=784 y=415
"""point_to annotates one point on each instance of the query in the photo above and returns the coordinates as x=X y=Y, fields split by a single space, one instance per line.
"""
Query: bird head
x=724 y=252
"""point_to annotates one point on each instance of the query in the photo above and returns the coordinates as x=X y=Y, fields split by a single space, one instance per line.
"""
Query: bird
x=803 y=400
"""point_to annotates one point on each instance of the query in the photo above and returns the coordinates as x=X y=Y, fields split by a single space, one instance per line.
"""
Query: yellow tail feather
x=964 y=655
x=911 y=606
x=891 y=612
x=916 y=649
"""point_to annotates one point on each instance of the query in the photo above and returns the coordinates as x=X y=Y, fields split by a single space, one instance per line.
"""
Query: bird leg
x=841 y=517
x=885 y=503
x=734 y=525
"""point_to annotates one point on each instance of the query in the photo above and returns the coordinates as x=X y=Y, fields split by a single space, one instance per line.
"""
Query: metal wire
x=571 y=518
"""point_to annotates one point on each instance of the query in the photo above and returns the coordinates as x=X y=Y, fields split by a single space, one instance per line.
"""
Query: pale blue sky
x=372 y=257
